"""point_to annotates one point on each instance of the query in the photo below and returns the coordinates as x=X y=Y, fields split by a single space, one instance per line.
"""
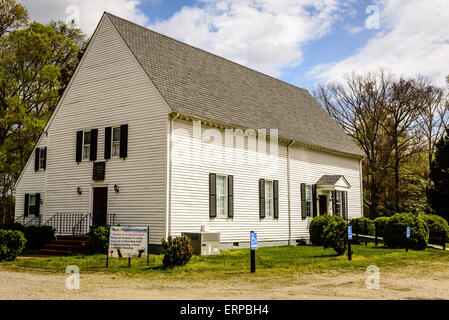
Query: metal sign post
x=349 y=242
x=407 y=235
x=253 y=238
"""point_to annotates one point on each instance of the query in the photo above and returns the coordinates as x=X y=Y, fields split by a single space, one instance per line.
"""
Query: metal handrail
x=81 y=222
x=29 y=221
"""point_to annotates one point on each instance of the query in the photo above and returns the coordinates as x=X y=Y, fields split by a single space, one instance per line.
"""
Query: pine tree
x=438 y=193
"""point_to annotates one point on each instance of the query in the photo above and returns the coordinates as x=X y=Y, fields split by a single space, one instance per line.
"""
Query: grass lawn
x=271 y=261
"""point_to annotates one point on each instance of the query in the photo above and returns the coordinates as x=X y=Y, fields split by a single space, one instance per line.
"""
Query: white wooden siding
x=307 y=167
x=31 y=182
x=109 y=89
x=190 y=187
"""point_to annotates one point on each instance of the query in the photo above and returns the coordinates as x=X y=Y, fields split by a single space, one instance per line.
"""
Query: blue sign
x=408 y=232
x=350 y=232
x=253 y=241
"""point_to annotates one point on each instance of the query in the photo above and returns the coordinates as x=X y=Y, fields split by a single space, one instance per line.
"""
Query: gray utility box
x=204 y=243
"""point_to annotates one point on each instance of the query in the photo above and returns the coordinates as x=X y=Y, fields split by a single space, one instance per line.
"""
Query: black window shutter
x=107 y=142
x=262 y=198
x=93 y=144
x=38 y=205
x=334 y=202
x=303 y=201
x=230 y=196
x=124 y=141
x=345 y=204
x=27 y=202
x=212 y=195
x=276 y=199
x=79 y=145
x=36 y=159
x=314 y=208
x=45 y=158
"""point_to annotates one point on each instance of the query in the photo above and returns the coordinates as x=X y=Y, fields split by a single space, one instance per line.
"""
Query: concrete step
x=51 y=252
x=64 y=247
x=69 y=242
x=70 y=237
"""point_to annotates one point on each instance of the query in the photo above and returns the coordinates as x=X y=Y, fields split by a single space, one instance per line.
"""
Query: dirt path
x=21 y=285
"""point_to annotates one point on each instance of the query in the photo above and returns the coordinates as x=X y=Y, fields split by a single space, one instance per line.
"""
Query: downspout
x=289 y=197
x=168 y=221
x=361 y=187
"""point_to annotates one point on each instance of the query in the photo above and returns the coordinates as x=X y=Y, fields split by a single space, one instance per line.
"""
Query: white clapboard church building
x=154 y=132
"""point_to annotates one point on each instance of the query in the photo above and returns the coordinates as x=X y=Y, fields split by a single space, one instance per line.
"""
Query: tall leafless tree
x=359 y=105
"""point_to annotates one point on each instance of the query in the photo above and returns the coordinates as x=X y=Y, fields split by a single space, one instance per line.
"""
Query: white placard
x=128 y=242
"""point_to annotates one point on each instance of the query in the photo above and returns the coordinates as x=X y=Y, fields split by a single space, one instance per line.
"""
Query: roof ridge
x=210 y=53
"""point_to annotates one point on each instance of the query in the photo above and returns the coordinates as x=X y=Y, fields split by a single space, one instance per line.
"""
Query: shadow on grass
x=326 y=256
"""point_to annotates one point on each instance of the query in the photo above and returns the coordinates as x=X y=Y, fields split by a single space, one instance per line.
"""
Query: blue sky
x=303 y=42
x=333 y=47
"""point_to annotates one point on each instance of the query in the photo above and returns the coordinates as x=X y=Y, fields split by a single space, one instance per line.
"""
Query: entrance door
x=322 y=200
x=100 y=206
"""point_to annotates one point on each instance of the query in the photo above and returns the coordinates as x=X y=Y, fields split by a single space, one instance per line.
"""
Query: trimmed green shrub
x=358 y=226
x=334 y=235
x=11 y=244
x=395 y=231
x=437 y=226
x=177 y=251
x=98 y=239
x=12 y=226
x=316 y=229
x=380 y=223
x=36 y=236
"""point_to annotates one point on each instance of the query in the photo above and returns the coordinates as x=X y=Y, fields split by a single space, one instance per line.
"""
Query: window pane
x=115 y=149
x=86 y=152
x=42 y=159
x=86 y=138
x=220 y=206
x=308 y=200
x=32 y=199
x=116 y=135
x=269 y=198
x=222 y=198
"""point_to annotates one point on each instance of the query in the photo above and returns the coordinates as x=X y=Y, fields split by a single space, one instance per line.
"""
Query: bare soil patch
x=408 y=284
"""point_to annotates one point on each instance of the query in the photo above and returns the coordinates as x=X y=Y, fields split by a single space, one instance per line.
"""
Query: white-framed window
x=42 y=157
x=269 y=199
x=32 y=205
x=338 y=203
x=308 y=200
x=222 y=195
x=116 y=142
x=86 y=145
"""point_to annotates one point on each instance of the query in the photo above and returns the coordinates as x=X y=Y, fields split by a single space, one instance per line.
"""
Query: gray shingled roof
x=201 y=84
x=329 y=180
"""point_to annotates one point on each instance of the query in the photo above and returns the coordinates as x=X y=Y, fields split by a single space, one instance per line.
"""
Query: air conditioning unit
x=204 y=243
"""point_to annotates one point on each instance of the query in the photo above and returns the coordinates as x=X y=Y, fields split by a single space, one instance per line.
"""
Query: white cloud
x=90 y=11
x=413 y=39
x=266 y=35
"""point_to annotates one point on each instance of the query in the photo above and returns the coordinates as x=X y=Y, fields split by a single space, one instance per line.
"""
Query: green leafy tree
x=12 y=16
x=36 y=63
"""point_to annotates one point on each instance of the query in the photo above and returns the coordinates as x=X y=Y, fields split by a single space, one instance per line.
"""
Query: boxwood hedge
x=395 y=231
x=11 y=244
x=438 y=226
x=316 y=229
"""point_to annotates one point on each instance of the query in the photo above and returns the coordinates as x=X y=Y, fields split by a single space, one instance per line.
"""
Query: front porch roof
x=333 y=181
